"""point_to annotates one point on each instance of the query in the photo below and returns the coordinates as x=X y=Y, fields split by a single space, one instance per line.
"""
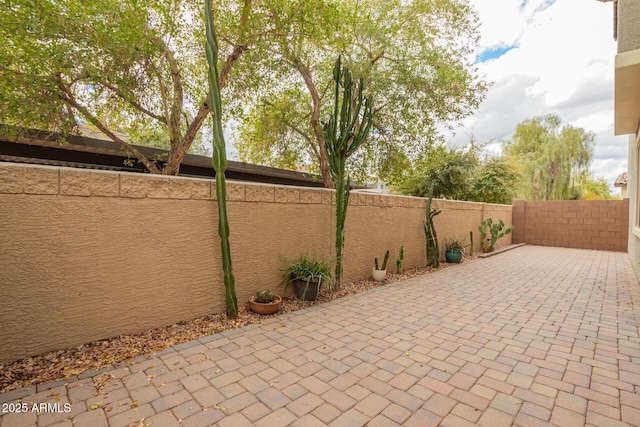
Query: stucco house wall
x=627 y=111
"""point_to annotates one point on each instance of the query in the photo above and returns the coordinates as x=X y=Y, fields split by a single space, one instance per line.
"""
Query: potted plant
x=307 y=275
x=265 y=302
x=380 y=273
x=454 y=249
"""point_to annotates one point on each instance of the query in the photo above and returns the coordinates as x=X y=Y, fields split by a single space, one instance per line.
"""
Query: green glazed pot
x=453 y=256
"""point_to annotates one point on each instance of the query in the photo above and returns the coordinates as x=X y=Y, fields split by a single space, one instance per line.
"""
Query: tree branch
x=235 y=54
x=174 y=110
x=163 y=91
x=178 y=94
x=67 y=96
x=233 y=57
x=315 y=118
x=376 y=58
x=133 y=103
x=300 y=132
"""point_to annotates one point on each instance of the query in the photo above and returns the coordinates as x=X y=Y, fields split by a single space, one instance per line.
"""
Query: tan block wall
x=585 y=224
x=86 y=255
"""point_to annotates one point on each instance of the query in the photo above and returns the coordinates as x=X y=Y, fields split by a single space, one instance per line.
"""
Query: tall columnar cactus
x=219 y=161
x=433 y=250
x=384 y=263
x=347 y=129
x=399 y=260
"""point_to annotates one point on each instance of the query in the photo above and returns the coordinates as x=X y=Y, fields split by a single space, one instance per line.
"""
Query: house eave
x=627 y=92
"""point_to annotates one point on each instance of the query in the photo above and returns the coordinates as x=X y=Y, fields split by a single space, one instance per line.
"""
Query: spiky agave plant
x=219 y=161
x=347 y=129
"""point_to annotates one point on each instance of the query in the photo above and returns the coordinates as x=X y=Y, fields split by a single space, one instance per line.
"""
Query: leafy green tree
x=551 y=158
x=495 y=182
x=128 y=66
x=450 y=171
x=591 y=188
x=415 y=55
x=138 y=68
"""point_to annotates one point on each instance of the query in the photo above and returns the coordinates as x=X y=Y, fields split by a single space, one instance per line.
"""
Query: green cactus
x=347 y=129
x=495 y=230
x=264 y=296
x=399 y=260
x=433 y=250
x=471 y=244
x=384 y=262
x=219 y=161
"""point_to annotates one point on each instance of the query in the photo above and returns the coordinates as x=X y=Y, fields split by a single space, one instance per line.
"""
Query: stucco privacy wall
x=86 y=255
x=585 y=224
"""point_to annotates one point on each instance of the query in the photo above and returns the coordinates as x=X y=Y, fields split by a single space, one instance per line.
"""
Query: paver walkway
x=534 y=336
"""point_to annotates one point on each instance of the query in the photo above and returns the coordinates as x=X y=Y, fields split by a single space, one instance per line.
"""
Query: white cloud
x=562 y=63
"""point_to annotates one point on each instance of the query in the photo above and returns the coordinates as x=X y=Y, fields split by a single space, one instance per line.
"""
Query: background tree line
x=543 y=160
x=137 y=67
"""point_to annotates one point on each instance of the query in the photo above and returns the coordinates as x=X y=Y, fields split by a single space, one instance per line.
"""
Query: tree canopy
x=592 y=188
x=451 y=171
x=495 y=182
x=461 y=174
x=416 y=56
x=138 y=67
x=551 y=158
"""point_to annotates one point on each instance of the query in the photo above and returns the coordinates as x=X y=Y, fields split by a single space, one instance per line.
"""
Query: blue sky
x=493 y=53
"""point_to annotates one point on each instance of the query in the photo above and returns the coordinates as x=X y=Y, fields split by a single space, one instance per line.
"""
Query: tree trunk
x=315 y=121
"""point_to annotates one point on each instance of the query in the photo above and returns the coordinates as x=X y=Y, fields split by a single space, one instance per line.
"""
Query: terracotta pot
x=265 y=307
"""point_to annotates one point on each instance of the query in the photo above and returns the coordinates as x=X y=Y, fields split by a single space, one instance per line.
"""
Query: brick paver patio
x=533 y=336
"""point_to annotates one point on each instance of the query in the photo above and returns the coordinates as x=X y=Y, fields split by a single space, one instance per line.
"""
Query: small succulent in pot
x=265 y=302
x=378 y=273
x=264 y=296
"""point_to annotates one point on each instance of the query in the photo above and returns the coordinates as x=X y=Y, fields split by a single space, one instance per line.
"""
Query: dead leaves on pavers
x=140 y=423
x=67 y=363
x=101 y=381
